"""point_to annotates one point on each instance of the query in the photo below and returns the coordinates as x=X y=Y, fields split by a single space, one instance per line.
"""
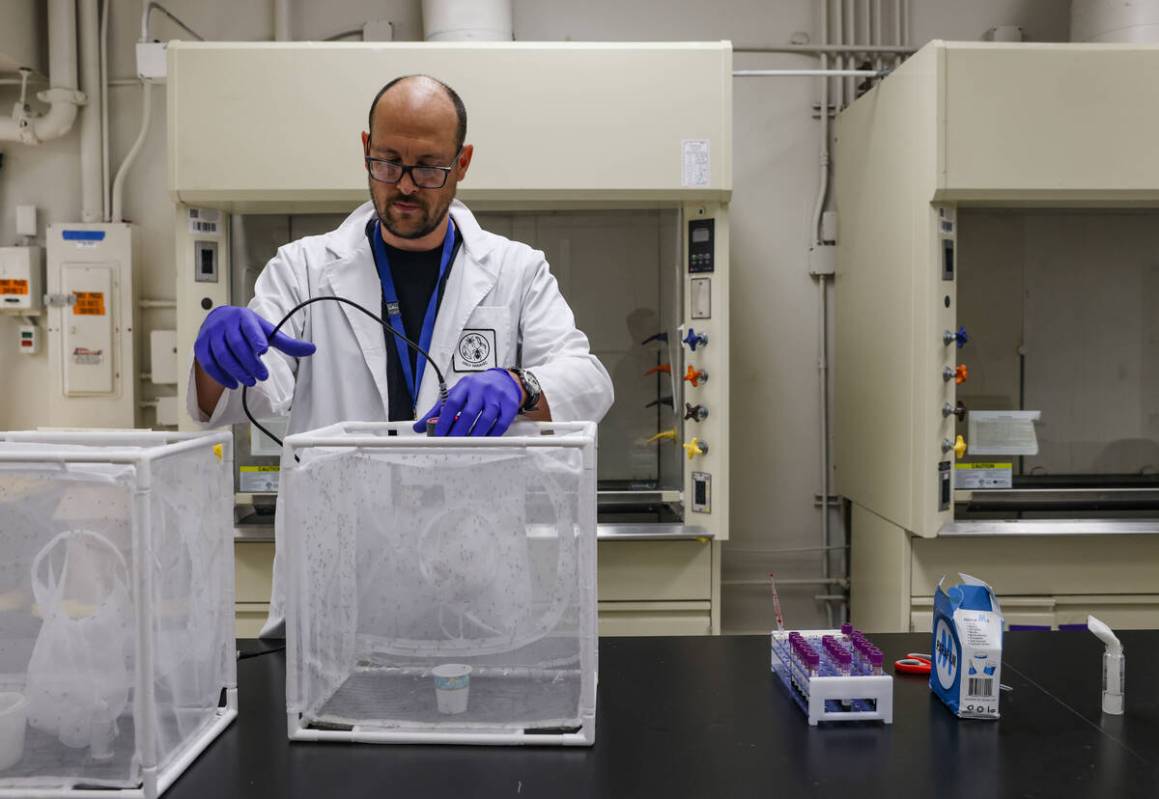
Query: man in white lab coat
x=486 y=308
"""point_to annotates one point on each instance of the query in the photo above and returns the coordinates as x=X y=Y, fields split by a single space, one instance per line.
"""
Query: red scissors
x=914 y=663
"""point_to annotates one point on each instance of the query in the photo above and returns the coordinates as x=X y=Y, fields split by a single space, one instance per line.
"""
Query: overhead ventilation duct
x=1135 y=21
x=467 y=21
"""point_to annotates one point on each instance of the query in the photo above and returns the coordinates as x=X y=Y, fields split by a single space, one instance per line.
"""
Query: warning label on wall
x=89 y=303
x=83 y=356
x=14 y=287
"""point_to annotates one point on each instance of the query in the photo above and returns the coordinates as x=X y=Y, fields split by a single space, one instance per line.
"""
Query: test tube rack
x=832 y=676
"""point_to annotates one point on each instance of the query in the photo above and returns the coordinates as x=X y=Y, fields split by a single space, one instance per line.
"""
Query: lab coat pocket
x=484 y=342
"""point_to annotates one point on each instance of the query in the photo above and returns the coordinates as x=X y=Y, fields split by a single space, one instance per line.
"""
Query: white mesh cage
x=406 y=553
x=117 y=659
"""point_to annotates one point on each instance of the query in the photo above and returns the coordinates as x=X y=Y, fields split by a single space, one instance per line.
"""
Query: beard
x=419 y=223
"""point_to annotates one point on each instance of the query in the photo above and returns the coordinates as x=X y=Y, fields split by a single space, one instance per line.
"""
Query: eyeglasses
x=424 y=176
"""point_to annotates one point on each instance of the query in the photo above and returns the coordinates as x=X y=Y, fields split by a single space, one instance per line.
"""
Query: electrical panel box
x=21 y=281
x=90 y=325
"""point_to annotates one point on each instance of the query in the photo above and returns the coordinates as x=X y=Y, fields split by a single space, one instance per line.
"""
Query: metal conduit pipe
x=106 y=178
x=123 y=172
x=91 y=174
x=815 y=240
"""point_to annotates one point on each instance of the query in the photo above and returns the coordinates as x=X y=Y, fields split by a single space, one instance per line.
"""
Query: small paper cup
x=13 y=716
x=452 y=687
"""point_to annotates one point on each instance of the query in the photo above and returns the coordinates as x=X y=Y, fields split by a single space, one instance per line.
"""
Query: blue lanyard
x=394 y=312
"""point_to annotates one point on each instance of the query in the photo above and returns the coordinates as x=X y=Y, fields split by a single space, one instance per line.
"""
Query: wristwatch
x=530 y=388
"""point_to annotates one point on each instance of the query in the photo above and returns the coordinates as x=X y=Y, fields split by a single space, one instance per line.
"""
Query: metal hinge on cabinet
x=59 y=300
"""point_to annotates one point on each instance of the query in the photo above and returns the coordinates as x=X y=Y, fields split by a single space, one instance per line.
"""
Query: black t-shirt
x=415 y=275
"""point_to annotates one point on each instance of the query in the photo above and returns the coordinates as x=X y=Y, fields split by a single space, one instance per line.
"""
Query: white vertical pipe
x=282 y=21
x=850 y=37
x=61 y=68
x=875 y=21
x=106 y=199
x=815 y=241
x=897 y=59
x=61 y=95
x=839 y=31
x=823 y=180
x=123 y=172
x=91 y=176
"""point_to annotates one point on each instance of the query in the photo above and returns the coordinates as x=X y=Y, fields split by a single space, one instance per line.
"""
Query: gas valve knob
x=695 y=376
x=959 y=375
x=957 y=446
x=695 y=447
x=961 y=337
x=694 y=339
x=958 y=410
x=695 y=413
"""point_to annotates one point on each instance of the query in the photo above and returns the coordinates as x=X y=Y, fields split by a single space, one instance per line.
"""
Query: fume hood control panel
x=701 y=245
x=704 y=371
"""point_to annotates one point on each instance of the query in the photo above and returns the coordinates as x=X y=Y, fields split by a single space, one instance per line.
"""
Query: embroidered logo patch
x=475 y=351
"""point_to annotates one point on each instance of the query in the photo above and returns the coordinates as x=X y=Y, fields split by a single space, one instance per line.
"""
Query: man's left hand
x=483 y=404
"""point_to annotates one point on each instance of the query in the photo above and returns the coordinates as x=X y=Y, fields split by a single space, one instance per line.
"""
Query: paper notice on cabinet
x=1003 y=432
x=697 y=163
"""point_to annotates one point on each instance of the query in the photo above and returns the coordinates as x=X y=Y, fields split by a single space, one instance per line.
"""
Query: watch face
x=531 y=386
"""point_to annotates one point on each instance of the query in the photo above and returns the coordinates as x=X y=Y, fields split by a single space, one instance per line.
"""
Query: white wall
x=774 y=317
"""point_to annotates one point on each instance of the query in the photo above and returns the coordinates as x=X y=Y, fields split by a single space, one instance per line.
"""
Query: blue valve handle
x=961 y=336
x=694 y=339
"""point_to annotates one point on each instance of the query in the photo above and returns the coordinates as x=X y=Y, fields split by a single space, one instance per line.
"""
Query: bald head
x=420 y=97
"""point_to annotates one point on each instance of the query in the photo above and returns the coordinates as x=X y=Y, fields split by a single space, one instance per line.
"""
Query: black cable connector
x=375 y=317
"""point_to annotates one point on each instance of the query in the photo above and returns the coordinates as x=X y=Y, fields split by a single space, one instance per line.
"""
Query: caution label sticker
x=983 y=475
x=258 y=479
x=9 y=286
x=89 y=303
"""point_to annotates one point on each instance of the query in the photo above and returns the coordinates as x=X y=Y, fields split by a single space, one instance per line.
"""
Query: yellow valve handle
x=960 y=447
x=663 y=435
x=695 y=447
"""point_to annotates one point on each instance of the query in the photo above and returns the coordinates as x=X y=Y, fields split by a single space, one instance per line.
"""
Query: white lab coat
x=498 y=289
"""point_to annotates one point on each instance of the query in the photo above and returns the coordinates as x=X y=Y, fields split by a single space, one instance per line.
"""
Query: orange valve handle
x=695 y=376
x=961 y=374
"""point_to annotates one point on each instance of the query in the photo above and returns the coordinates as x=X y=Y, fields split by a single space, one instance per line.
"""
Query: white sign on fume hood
x=697 y=163
x=1003 y=432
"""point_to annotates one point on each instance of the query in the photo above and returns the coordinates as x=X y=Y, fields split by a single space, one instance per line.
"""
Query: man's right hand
x=231 y=342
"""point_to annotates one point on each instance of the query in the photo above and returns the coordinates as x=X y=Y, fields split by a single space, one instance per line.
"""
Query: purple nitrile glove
x=483 y=404
x=231 y=342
